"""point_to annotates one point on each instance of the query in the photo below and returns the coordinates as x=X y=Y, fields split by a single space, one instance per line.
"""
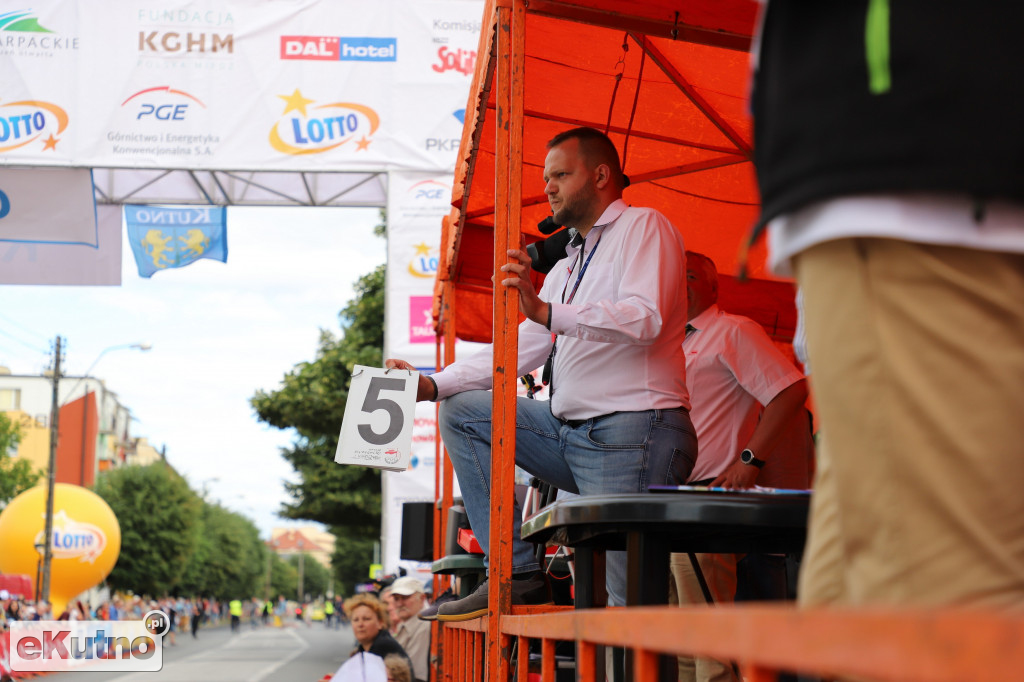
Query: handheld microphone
x=546 y=252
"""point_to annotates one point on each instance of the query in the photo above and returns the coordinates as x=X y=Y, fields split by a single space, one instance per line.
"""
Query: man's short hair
x=595 y=147
x=707 y=267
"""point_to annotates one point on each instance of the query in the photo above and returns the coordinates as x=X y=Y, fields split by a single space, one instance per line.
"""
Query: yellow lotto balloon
x=86 y=539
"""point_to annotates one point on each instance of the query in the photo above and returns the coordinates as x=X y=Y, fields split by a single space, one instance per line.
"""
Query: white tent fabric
x=237 y=101
x=240 y=188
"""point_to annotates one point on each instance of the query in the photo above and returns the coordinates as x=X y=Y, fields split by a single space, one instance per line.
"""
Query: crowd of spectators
x=186 y=612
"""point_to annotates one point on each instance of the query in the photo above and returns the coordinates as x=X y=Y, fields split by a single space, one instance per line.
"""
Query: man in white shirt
x=412 y=633
x=747 y=397
x=609 y=320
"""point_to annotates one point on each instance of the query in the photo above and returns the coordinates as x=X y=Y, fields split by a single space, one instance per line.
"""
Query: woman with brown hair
x=369 y=620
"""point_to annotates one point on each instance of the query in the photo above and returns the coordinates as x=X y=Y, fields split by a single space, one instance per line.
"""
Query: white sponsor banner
x=416 y=204
x=237 y=84
x=47 y=206
x=40 y=50
x=416 y=484
x=67 y=264
x=440 y=56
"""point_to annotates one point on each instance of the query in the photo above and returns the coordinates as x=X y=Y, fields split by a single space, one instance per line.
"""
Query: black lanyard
x=547 y=375
x=583 y=270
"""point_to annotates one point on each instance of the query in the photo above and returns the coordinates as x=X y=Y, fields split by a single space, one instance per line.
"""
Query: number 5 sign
x=377 y=428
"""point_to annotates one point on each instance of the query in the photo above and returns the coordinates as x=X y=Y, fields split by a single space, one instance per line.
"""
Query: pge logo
x=309 y=128
x=429 y=190
x=463 y=61
x=317 y=48
x=162 y=103
x=26 y=121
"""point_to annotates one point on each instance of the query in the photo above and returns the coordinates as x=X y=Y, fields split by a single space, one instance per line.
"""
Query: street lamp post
x=271 y=546
x=302 y=565
x=51 y=474
x=40 y=549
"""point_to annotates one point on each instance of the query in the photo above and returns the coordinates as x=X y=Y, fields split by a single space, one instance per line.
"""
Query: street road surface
x=295 y=653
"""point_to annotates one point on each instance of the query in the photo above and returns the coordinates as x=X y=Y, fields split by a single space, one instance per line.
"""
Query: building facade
x=93 y=426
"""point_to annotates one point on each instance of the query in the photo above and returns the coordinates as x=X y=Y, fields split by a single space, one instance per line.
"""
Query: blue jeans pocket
x=621 y=430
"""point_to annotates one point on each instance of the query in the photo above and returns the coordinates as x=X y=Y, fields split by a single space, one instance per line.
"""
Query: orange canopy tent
x=669 y=82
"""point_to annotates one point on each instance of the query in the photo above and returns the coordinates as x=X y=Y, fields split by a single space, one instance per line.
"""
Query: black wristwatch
x=747 y=457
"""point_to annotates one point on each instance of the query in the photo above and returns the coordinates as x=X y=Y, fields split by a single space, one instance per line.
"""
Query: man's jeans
x=623 y=452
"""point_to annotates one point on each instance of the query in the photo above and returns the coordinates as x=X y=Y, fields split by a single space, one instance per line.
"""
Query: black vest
x=946 y=114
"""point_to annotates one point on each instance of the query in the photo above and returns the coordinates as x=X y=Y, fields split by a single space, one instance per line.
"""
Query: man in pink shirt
x=752 y=428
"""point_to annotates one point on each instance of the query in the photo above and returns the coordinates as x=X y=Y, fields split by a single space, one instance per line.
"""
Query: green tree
x=312 y=401
x=351 y=561
x=230 y=559
x=284 y=578
x=315 y=577
x=159 y=518
x=16 y=475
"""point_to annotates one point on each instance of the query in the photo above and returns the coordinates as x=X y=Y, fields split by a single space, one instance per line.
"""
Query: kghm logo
x=309 y=128
x=26 y=121
x=74 y=539
x=162 y=104
x=423 y=264
x=174 y=42
x=21 y=21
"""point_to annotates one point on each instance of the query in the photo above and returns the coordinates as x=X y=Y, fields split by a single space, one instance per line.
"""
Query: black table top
x=687 y=521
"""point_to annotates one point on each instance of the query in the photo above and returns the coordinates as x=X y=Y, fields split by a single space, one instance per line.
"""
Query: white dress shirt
x=620 y=340
x=940 y=219
x=733 y=370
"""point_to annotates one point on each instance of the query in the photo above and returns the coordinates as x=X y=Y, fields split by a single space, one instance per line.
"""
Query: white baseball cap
x=406 y=586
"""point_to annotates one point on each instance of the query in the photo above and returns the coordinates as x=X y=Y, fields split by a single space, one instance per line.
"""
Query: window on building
x=10 y=399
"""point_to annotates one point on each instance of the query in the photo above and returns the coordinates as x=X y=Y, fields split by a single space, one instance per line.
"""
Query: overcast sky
x=220 y=331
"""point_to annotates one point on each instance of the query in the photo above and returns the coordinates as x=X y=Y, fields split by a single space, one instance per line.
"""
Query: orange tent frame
x=669 y=84
x=668 y=81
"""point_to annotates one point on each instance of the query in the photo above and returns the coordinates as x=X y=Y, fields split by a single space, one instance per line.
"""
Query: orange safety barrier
x=885 y=645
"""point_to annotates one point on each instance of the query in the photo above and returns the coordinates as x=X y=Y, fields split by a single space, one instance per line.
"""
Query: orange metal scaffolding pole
x=511 y=19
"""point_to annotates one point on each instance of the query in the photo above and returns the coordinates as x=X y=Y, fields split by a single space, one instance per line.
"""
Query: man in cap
x=413 y=634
